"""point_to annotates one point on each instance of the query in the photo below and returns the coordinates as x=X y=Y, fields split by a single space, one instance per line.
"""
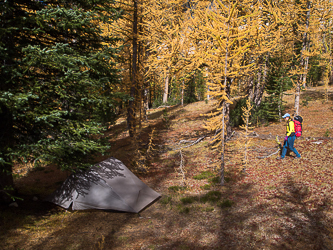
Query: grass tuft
x=215 y=180
x=225 y=203
x=176 y=188
x=209 y=209
x=211 y=196
x=183 y=210
x=165 y=200
x=188 y=200
x=203 y=175
x=206 y=187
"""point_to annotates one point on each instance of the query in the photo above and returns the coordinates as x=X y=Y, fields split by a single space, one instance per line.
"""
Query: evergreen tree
x=277 y=83
x=57 y=82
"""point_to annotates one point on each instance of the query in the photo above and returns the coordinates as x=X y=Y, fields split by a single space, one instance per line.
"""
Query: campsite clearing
x=275 y=205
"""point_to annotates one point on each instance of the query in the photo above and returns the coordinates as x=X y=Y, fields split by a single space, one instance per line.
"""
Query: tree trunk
x=261 y=81
x=250 y=88
x=260 y=93
x=183 y=87
x=6 y=140
x=131 y=106
x=297 y=98
x=166 y=89
x=6 y=117
x=208 y=96
x=303 y=64
x=6 y=183
x=227 y=108
x=145 y=101
x=280 y=103
x=224 y=108
x=257 y=90
x=306 y=45
x=223 y=146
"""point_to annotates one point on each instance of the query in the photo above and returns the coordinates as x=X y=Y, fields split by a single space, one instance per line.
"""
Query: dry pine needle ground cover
x=275 y=205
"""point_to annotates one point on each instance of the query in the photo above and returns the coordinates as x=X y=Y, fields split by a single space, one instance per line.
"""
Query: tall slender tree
x=227 y=25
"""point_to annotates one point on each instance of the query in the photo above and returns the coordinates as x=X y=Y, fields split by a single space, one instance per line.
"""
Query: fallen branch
x=280 y=148
x=195 y=142
x=181 y=167
x=185 y=141
x=315 y=138
x=263 y=157
x=163 y=107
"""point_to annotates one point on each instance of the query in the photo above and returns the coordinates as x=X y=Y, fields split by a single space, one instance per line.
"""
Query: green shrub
x=184 y=210
x=305 y=102
x=188 y=200
x=206 y=187
x=203 y=175
x=211 y=196
x=165 y=200
x=225 y=203
x=157 y=103
x=176 y=188
x=327 y=133
x=209 y=209
x=215 y=180
x=227 y=179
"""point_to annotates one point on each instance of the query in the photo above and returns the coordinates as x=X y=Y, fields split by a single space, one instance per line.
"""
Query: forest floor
x=276 y=205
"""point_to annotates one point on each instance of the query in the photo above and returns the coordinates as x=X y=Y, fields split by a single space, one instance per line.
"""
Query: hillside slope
x=275 y=205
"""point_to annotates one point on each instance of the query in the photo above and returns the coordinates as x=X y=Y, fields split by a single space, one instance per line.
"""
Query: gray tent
x=108 y=185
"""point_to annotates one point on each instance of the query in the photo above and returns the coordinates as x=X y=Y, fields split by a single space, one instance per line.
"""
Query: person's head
x=286 y=116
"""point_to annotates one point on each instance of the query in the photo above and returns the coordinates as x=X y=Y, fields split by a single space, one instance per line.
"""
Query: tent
x=108 y=185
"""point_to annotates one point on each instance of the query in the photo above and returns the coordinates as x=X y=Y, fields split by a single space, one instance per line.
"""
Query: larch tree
x=304 y=13
x=296 y=19
x=226 y=27
x=167 y=40
x=322 y=39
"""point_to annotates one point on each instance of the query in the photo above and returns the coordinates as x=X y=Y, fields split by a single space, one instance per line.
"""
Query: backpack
x=298 y=120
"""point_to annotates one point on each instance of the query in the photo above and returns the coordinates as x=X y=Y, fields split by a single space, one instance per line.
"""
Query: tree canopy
x=58 y=81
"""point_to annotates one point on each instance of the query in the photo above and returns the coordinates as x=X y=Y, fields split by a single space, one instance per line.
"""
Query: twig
x=218 y=131
x=233 y=132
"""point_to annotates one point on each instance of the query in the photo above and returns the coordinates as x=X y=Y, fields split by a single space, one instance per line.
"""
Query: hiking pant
x=289 y=144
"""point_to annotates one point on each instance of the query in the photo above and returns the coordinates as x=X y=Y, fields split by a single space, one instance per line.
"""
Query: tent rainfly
x=108 y=185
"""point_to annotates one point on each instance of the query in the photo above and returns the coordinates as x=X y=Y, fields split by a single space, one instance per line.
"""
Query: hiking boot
x=280 y=158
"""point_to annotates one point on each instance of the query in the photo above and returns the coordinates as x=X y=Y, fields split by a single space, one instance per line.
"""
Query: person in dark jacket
x=290 y=138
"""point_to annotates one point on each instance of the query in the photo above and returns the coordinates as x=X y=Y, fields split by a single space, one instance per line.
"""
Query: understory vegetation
x=274 y=205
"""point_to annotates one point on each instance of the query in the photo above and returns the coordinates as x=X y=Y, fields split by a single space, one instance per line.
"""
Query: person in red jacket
x=290 y=138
